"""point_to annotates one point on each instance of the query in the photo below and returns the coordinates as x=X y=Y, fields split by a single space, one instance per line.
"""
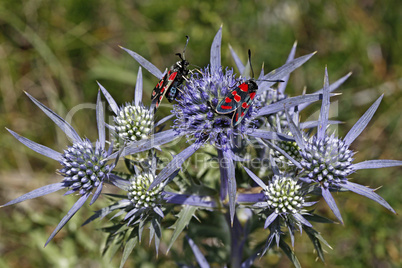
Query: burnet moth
x=239 y=100
x=169 y=84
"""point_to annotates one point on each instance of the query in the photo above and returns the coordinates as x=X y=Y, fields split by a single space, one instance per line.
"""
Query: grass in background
x=57 y=50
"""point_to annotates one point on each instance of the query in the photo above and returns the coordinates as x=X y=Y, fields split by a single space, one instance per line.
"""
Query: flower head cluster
x=284 y=195
x=84 y=167
x=218 y=107
x=133 y=123
x=327 y=161
x=198 y=119
x=196 y=111
x=138 y=192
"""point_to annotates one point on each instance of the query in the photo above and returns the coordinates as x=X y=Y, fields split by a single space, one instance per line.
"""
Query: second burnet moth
x=170 y=82
x=239 y=100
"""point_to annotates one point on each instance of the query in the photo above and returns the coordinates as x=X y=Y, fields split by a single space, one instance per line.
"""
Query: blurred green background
x=56 y=50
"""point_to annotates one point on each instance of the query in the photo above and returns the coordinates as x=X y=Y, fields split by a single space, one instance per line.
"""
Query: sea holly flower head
x=85 y=168
x=327 y=161
x=133 y=121
x=138 y=192
x=195 y=111
x=138 y=206
x=197 y=117
x=289 y=147
x=284 y=198
x=139 y=201
x=283 y=194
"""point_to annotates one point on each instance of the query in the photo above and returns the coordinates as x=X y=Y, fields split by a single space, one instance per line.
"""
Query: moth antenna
x=179 y=54
x=184 y=50
x=273 y=81
x=182 y=55
x=251 y=67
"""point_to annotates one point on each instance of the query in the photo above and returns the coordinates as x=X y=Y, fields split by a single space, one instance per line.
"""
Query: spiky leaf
x=129 y=246
x=289 y=253
x=183 y=219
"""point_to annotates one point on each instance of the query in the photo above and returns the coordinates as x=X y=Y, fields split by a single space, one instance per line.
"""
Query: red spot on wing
x=242 y=114
x=172 y=76
x=163 y=90
x=252 y=95
x=225 y=107
x=244 y=87
x=234 y=92
x=237 y=98
x=227 y=100
x=245 y=105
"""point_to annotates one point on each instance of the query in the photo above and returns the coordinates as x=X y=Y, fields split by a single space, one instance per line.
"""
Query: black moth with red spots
x=238 y=101
x=169 y=84
x=240 y=98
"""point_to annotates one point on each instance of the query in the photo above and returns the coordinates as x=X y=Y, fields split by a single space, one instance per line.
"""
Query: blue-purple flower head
x=85 y=166
x=327 y=161
x=197 y=116
x=195 y=111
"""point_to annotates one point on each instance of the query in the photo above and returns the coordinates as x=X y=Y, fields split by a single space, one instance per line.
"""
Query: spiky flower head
x=284 y=198
x=284 y=195
x=198 y=119
x=289 y=147
x=195 y=112
x=270 y=96
x=139 y=193
x=326 y=161
x=132 y=123
x=84 y=166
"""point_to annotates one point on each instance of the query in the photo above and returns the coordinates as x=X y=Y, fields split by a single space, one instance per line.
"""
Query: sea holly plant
x=235 y=121
x=132 y=121
x=85 y=166
x=326 y=161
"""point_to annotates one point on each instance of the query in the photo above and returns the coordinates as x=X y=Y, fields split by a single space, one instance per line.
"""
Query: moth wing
x=161 y=88
x=241 y=111
x=232 y=100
